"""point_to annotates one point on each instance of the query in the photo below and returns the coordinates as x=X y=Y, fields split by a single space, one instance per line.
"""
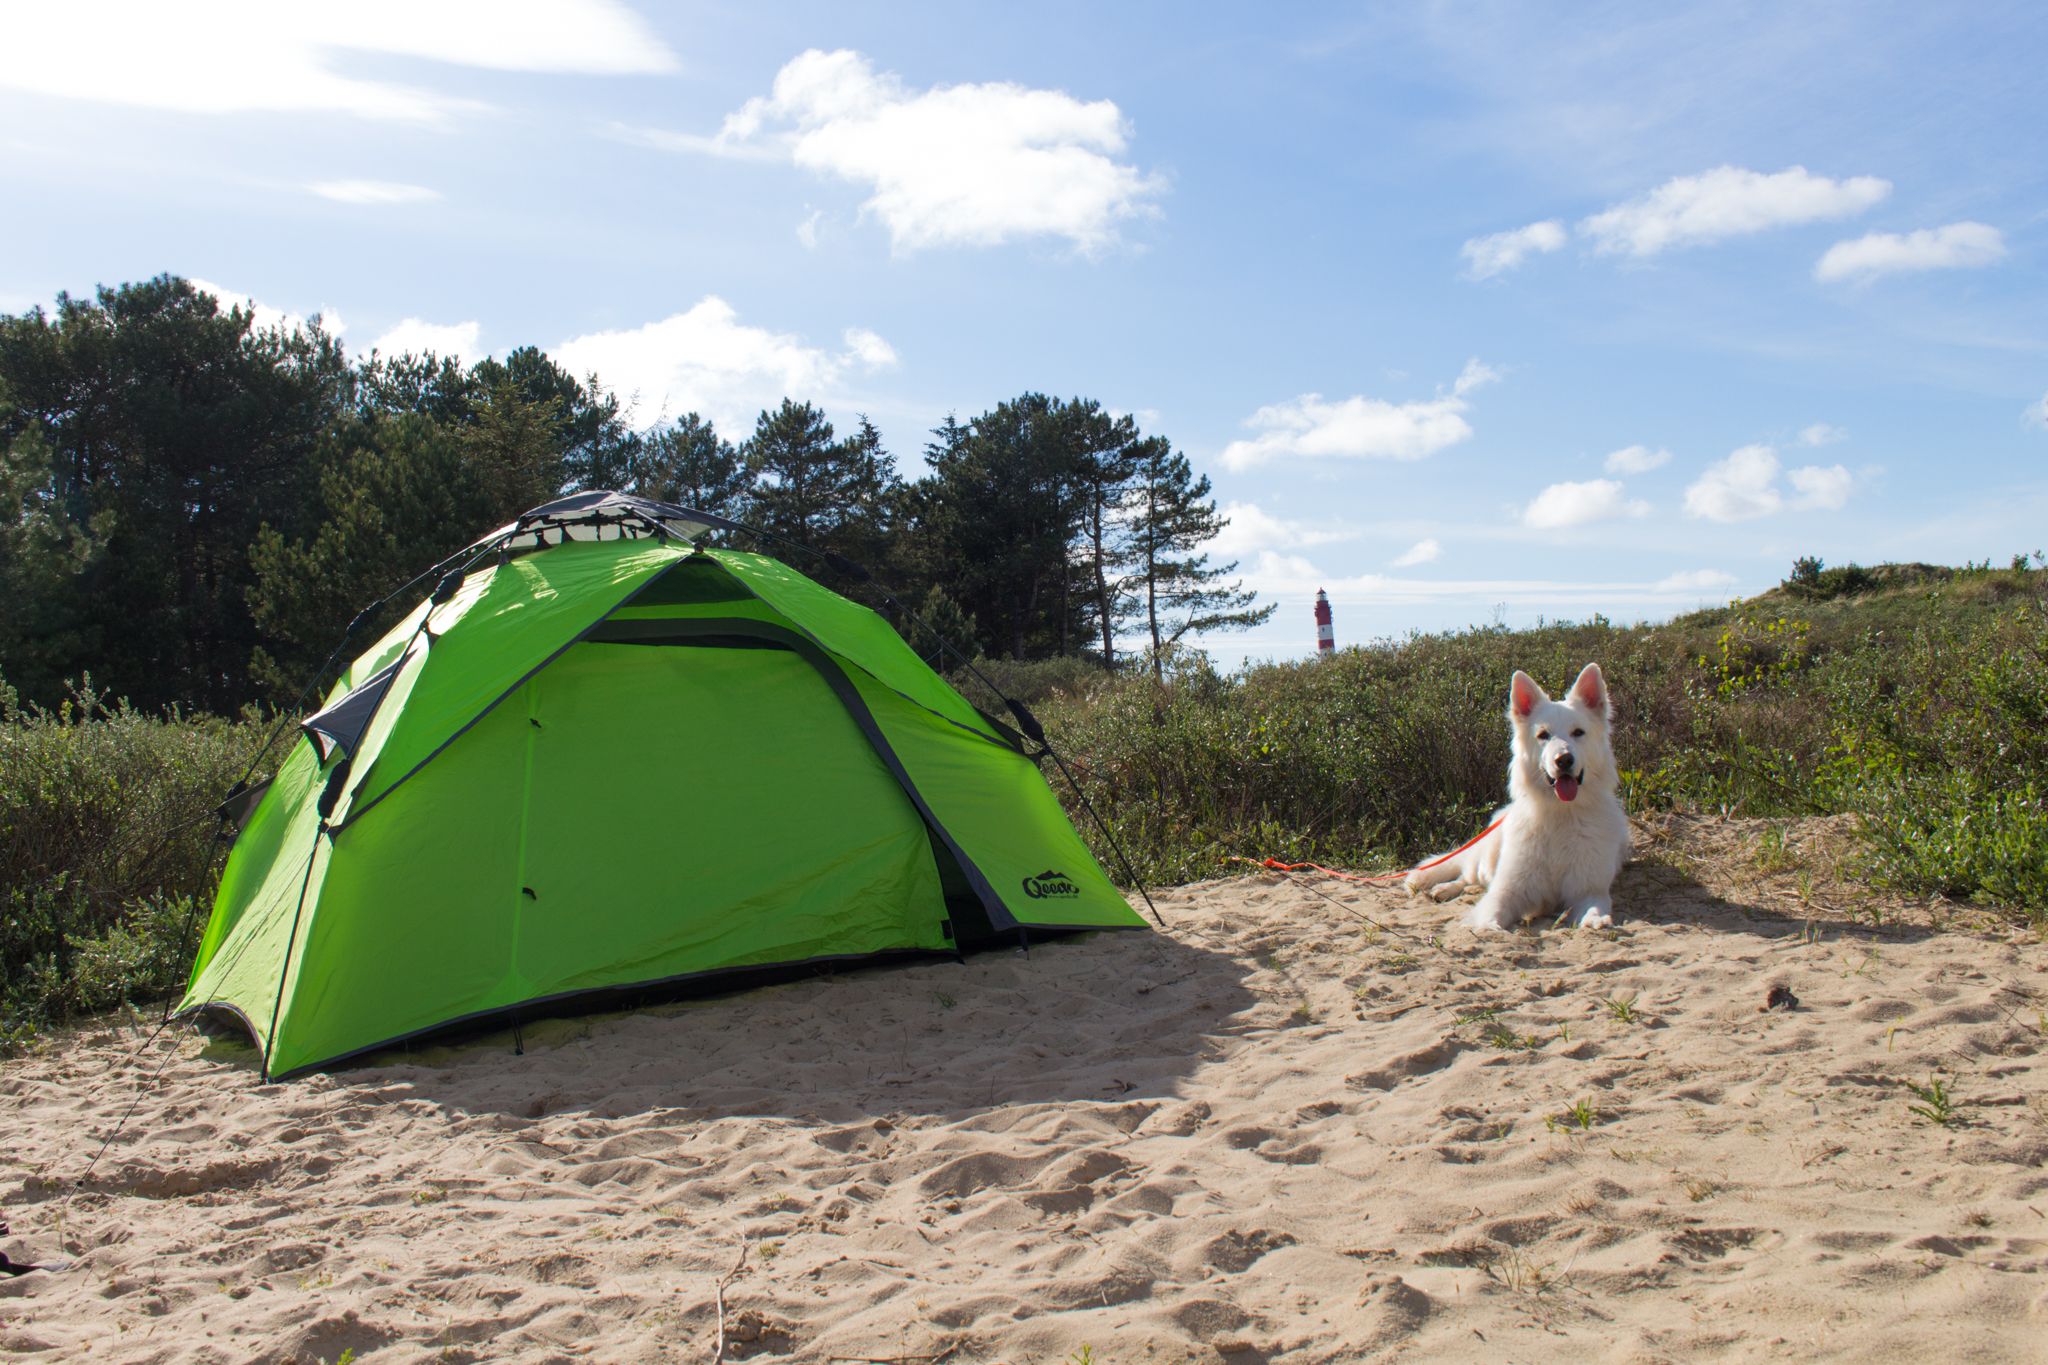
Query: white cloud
x=1826 y=489
x=1739 y=488
x=1576 y=504
x=1727 y=202
x=1421 y=552
x=1273 y=571
x=454 y=340
x=1488 y=256
x=1359 y=427
x=955 y=165
x=2036 y=414
x=1694 y=580
x=869 y=349
x=1474 y=375
x=264 y=314
x=372 y=192
x=1959 y=246
x=1745 y=486
x=1821 y=434
x=1636 y=460
x=1252 y=530
x=807 y=230
x=706 y=360
x=234 y=56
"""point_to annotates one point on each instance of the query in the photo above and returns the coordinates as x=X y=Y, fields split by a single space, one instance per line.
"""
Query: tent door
x=701 y=809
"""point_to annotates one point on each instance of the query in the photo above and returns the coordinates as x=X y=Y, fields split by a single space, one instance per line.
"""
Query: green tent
x=600 y=758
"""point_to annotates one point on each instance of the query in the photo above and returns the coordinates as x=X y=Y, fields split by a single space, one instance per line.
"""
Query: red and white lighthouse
x=1326 y=633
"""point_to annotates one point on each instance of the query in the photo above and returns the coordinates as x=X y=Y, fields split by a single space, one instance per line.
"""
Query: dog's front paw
x=1484 y=919
x=1595 y=916
x=1449 y=891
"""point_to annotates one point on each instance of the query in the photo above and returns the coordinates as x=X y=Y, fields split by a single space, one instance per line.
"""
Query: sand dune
x=1307 y=1123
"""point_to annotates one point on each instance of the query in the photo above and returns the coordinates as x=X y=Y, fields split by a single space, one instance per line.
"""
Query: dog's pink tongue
x=1567 y=788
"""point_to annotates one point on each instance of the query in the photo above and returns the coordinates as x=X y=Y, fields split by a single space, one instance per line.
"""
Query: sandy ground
x=1306 y=1123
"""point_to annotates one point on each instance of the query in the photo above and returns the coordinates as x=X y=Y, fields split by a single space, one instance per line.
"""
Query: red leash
x=1275 y=865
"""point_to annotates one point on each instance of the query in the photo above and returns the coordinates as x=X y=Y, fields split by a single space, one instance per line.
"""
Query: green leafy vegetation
x=1500 y=1036
x=1579 y=1118
x=1936 y=1105
x=106 y=815
x=1921 y=707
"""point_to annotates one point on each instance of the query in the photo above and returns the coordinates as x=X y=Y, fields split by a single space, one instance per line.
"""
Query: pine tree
x=918 y=557
x=999 y=508
x=832 y=496
x=1172 y=515
x=394 y=497
x=687 y=464
x=876 y=497
x=596 y=446
x=512 y=453
x=943 y=635
x=145 y=435
x=1103 y=455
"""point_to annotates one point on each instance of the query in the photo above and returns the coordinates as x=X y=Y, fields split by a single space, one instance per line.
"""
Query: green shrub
x=106 y=820
x=1030 y=681
x=1921 y=707
x=1940 y=744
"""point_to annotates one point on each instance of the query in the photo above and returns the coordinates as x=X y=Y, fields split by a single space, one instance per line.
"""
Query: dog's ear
x=1523 y=696
x=1590 y=690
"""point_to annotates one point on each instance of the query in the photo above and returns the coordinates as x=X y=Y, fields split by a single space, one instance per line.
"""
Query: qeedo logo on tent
x=1050 y=885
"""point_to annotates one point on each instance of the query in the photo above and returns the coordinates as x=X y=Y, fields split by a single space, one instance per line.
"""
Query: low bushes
x=1922 y=709
x=106 y=816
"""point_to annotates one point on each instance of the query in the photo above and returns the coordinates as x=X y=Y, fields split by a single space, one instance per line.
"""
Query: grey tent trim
x=341 y=725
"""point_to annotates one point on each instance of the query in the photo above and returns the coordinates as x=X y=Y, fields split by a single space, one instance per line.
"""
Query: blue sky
x=1470 y=311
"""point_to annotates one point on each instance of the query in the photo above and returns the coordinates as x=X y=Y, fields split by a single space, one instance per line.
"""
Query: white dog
x=1561 y=838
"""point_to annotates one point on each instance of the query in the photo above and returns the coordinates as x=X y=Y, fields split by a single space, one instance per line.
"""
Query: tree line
x=193 y=508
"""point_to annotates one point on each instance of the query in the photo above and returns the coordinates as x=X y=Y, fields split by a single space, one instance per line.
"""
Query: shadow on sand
x=1102 y=1016
x=1655 y=891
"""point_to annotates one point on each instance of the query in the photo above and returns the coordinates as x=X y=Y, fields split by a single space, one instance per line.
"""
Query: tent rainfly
x=600 y=758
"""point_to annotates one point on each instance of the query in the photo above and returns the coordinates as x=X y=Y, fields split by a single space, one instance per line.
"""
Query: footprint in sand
x=1263 y=1143
x=1706 y=1244
x=1435 y=1057
x=1074 y=1183
x=1521 y=1232
x=1394 y=1307
x=1235 y=1252
x=1209 y=1319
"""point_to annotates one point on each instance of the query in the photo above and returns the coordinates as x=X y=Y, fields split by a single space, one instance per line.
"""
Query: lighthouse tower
x=1326 y=634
